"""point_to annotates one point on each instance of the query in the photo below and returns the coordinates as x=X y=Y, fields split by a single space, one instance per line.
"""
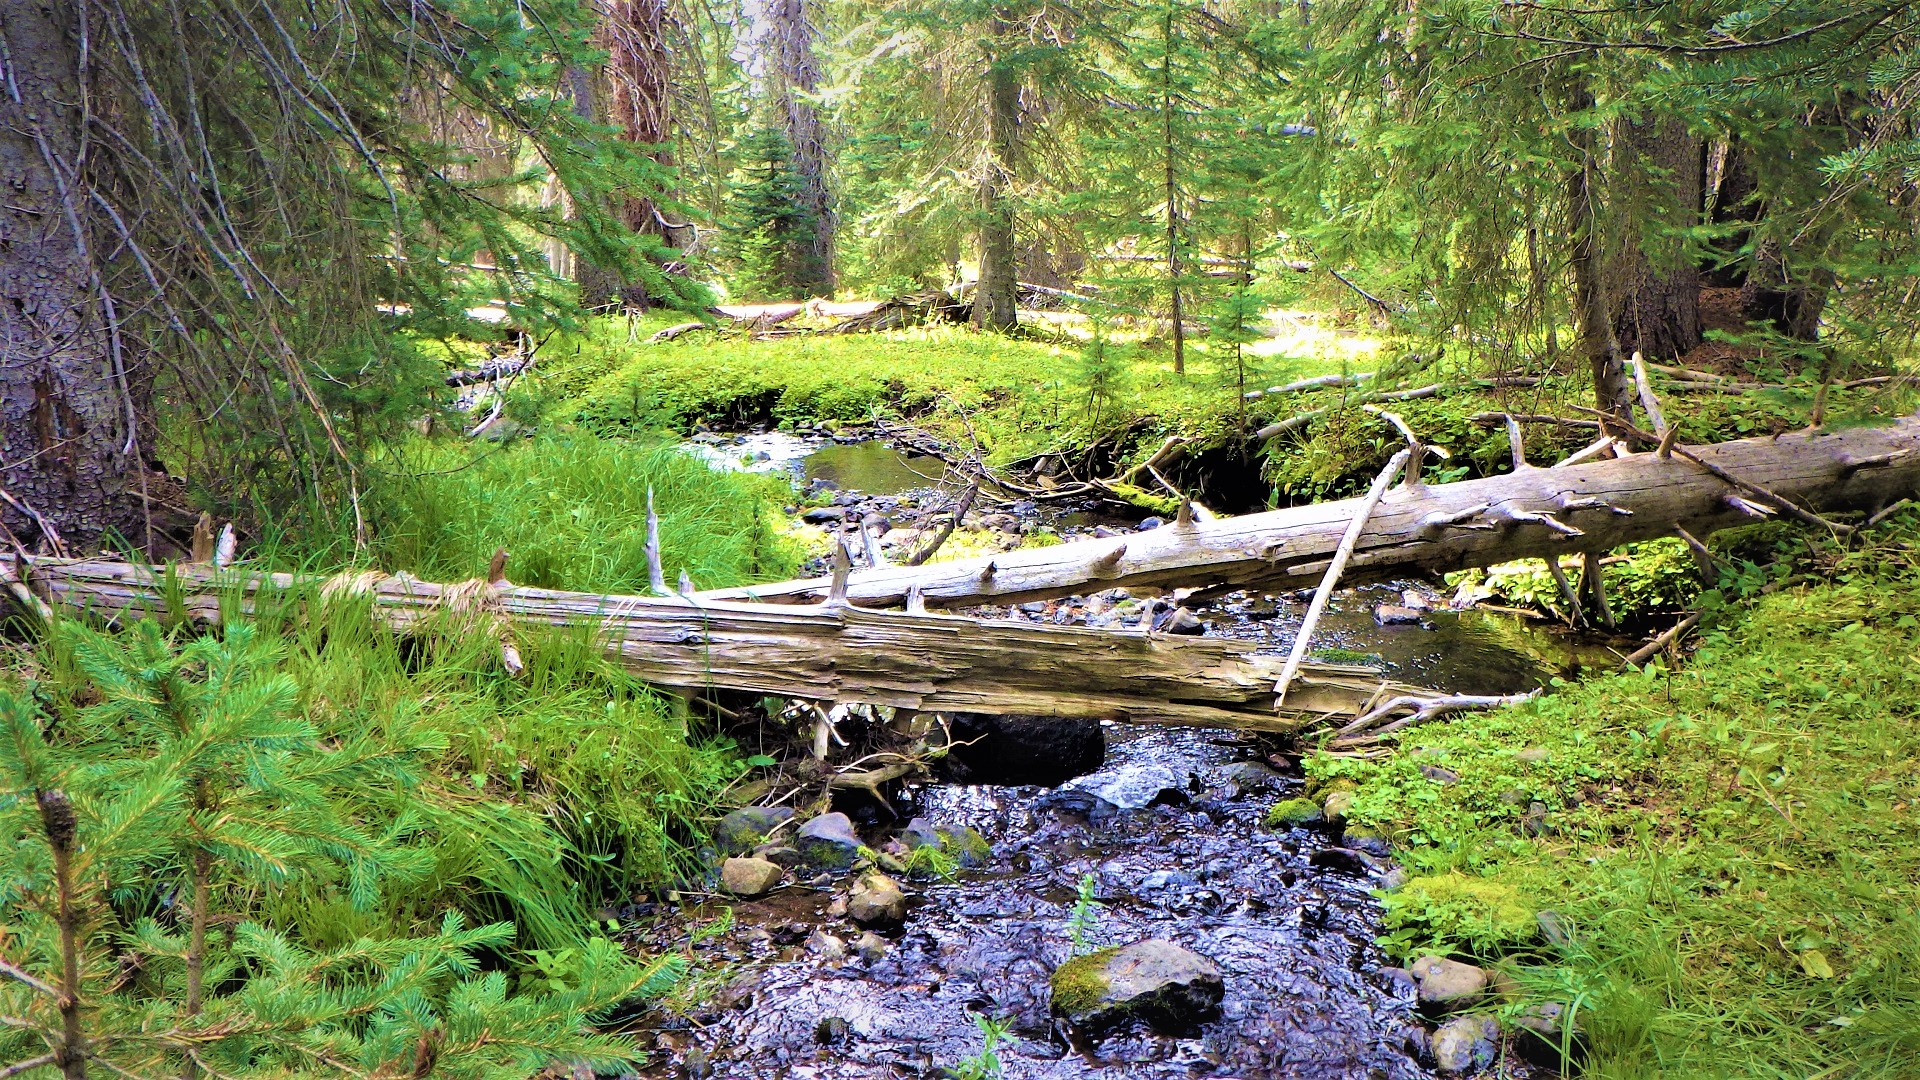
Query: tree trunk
x=1657 y=192
x=927 y=663
x=68 y=412
x=1172 y=197
x=1433 y=528
x=639 y=101
x=796 y=71
x=995 y=302
x=1593 y=315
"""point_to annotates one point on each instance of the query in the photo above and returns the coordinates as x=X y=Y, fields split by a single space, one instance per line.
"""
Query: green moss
x=1080 y=984
x=1294 y=813
x=965 y=846
x=1449 y=909
x=1733 y=848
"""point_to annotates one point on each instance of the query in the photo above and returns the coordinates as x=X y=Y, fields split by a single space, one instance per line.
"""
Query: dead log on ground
x=1536 y=512
x=927 y=663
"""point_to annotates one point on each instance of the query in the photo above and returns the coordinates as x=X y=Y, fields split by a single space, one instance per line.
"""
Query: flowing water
x=1293 y=934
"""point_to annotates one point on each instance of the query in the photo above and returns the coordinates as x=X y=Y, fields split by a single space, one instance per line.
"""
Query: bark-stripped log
x=928 y=663
x=1592 y=507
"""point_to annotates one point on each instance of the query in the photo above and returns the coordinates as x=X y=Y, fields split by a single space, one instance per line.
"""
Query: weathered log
x=835 y=653
x=1592 y=507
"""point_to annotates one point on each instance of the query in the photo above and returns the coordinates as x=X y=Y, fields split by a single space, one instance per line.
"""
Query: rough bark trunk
x=1429 y=529
x=796 y=71
x=1593 y=315
x=1172 y=184
x=639 y=100
x=68 y=412
x=928 y=663
x=1657 y=302
x=995 y=300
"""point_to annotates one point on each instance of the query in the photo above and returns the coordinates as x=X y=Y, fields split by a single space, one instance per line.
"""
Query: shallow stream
x=1290 y=924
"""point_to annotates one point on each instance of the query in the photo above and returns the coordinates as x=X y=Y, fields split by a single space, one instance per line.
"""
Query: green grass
x=1017 y=396
x=1734 y=842
x=553 y=792
x=572 y=514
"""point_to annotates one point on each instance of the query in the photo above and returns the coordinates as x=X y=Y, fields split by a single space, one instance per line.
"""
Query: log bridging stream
x=1531 y=512
x=837 y=653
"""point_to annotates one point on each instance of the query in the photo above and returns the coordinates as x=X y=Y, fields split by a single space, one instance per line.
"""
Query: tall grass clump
x=572 y=513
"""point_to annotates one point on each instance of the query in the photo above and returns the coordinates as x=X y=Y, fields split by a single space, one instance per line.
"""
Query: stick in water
x=1332 y=576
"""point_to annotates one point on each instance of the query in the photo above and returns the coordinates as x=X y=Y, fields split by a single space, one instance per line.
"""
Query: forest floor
x=1726 y=845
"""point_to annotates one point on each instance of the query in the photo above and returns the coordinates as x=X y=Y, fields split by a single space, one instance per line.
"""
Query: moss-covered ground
x=1731 y=846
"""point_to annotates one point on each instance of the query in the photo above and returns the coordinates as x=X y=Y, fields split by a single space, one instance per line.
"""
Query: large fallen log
x=931 y=663
x=1592 y=507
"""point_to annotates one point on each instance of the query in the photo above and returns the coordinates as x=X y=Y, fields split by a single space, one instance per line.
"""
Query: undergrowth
x=1731 y=843
x=571 y=511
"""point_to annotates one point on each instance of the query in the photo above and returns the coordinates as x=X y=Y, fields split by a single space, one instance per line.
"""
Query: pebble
x=750 y=877
x=1395 y=615
x=1184 y=622
x=1466 y=1044
x=1149 y=524
x=1447 y=984
x=826 y=946
x=1155 y=980
x=828 y=841
x=747 y=828
x=870 y=947
x=877 y=900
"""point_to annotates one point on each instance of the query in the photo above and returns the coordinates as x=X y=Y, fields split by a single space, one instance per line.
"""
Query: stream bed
x=799 y=990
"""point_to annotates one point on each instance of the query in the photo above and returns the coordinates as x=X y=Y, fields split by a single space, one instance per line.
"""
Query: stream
x=1287 y=916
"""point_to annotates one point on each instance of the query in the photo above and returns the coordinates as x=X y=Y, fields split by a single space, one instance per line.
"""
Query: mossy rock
x=1295 y=814
x=1080 y=984
x=1482 y=912
x=966 y=846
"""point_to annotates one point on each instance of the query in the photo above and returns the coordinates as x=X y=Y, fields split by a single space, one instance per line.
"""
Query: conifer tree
x=157 y=796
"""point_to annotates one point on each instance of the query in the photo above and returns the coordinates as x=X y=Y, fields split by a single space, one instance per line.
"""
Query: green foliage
x=986 y=1064
x=572 y=513
x=767 y=228
x=171 y=794
x=1085 y=915
x=1718 y=838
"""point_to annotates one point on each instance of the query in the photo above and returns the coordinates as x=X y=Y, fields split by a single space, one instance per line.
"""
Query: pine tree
x=158 y=796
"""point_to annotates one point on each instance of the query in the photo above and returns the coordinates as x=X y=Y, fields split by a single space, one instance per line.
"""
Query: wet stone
x=1447 y=984
x=1466 y=1044
x=870 y=947
x=1439 y=775
x=1396 y=615
x=828 y=841
x=1295 y=814
x=747 y=828
x=1157 y=981
x=1182 y=621
x=1366 y=840
x=832 y=1031
x=877 y=900
x=750 y=877
x=1251 y=778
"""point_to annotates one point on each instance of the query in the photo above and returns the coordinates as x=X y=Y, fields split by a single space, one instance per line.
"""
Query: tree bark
x=927 y=663
x=639 y=101
x=1593 y=315
x=1172 y=184
x=69 y=414
x=1657 y=192
x=796 y=71
x=995 y=301
x=1433 y=528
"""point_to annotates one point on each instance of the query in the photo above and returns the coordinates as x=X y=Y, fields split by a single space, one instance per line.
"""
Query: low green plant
x=986 y=1064
x=572 y=514
x=1085 y=916
x=162 y=794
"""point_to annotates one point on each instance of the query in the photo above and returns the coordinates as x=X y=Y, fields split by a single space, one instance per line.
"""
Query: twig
x=1650 y=403
x=1596 y=588
x=1574 y=614
x=1371 y=726
x=1886 y=513
x=1340 y=556
x=960 y=508
x=1305 y=418
x=1652 y=648
x=1703 y=559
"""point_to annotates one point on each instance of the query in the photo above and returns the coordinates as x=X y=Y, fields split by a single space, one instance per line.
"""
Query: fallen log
x=834 y=653
x=1534 y=512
